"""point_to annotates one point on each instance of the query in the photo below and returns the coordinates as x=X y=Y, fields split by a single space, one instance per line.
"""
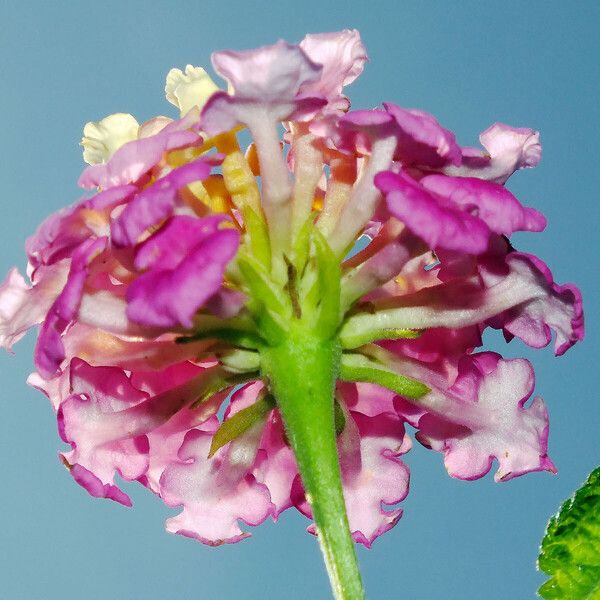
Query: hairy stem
x=301 y=374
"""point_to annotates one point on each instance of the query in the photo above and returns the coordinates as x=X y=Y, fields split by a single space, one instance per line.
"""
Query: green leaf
x=570 y=551
x=357 y=367
x=241 y=422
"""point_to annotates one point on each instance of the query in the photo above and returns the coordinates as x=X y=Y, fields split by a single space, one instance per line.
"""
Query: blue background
x=527 y=64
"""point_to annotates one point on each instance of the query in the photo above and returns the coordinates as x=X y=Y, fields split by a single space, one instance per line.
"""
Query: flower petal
x=507 y=150
x=101 y=139
x=216 y=492
x=421 y=139
x=482 y=417
x=171 y=292
x=49 y=350
x=489 y=201
x=136 y=158
x=439 y=222
x=342 y=56
x=189 y=89
x=155 y=203
x=23 y=306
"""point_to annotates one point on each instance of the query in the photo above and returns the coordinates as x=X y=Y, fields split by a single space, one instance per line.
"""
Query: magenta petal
x=171 y=296
x=434 y=219
x=169 y=245
x=491 y=202
x=422 y=140
x=155 y=203
x=49 y=350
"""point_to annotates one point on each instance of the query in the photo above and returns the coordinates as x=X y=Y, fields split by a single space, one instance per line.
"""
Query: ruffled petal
x=94 y=420
x=436 y=220
x=188 y=259
x=552 y=307
x=23 y=306
x=266 y=82
x=215 y=493
x=156 y=203
x=101 y=139
x=422 y=140
x=489 y=201
x=372 y=475
x=376 y=478
x=134 y=159
x=279 y=469
x=516 y=293
x=189 y=89
x=342 y=56
x=113 y=422
x=483 y=417
x=507 y=150
x=49 y=350
x=62 y=232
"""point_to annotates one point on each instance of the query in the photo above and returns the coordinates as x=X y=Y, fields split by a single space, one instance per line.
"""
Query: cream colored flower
x=101 y=139
x=192 y=88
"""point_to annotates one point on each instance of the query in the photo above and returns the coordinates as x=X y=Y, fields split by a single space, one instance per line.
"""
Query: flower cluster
x=164 y=295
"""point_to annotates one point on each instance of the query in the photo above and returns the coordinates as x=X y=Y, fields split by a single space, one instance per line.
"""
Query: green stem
x=302 y=372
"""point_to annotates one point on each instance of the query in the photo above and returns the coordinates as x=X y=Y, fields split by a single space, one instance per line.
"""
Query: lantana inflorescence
x=199 y=274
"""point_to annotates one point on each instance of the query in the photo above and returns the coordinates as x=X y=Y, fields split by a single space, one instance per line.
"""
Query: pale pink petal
x=23 y=306
x=377 y=478
x=367 y=398
x=342 y=56
x=516 y=293
x=215 y=493
x=552 y=307
x=372 y=475
x=267 y=84
x=507 y=150
x=279 y=470
x=483 y=417
x=91 y=420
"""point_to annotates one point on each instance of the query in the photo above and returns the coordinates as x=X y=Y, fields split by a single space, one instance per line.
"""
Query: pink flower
x=182 y=285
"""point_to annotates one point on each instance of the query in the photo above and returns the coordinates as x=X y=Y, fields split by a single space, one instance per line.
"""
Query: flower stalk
x=302 y=372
